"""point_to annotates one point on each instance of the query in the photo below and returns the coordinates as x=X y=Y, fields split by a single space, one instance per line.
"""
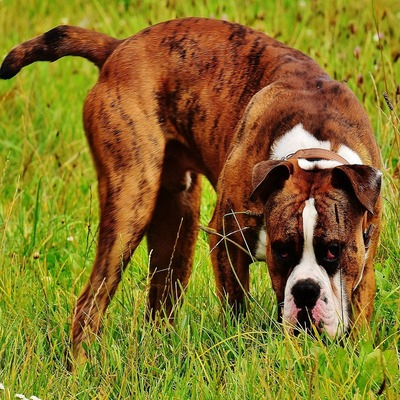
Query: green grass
x=48 y=225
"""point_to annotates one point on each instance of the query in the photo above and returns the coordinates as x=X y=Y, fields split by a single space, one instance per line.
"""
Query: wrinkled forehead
x=308 y=196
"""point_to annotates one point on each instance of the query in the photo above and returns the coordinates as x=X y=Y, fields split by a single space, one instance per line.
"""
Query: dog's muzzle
x=305 y=294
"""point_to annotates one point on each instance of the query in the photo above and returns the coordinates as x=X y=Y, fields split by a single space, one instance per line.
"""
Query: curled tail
x=61 y=41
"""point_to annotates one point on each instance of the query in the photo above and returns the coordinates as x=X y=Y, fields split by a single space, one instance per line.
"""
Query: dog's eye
x=332 y=252
x=282 y=251
x=328 y=256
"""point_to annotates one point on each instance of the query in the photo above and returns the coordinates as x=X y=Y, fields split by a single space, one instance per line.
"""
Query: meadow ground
x=48 y=225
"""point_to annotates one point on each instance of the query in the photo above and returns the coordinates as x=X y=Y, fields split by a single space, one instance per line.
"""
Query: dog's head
x=316 y=245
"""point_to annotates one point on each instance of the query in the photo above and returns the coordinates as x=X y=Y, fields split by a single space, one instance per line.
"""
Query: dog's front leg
x=231 y=246
x=171 y=240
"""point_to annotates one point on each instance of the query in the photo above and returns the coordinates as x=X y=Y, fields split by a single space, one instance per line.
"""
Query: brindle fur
x=180 y=99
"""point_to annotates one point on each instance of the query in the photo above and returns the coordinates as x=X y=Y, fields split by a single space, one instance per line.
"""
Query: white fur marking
x=319 y=164
x=349 y=155
x=295 y=139
x=261 y=245
x=188 y=179
x=310 y=215
x=298 y=138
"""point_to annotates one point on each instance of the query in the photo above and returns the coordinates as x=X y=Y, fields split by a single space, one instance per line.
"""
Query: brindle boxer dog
x=289 y=151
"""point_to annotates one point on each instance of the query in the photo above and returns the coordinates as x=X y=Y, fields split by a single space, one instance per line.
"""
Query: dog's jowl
x=290 y=152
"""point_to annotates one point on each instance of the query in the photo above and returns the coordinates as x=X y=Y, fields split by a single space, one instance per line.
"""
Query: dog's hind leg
x=129 y=171
x=171 y=239
x=123 y=224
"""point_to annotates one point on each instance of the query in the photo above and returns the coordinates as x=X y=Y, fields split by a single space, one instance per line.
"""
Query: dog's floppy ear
x=269 y=176
x=363 y=180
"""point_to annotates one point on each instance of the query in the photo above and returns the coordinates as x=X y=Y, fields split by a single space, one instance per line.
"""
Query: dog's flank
x=199 y=96
x=59 y=42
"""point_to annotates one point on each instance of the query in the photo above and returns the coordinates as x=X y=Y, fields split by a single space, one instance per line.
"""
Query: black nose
x=306 y=293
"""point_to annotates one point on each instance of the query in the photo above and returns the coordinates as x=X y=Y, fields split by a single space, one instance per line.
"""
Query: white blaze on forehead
x=310 y=215
x=308 y=266
x=298 y=138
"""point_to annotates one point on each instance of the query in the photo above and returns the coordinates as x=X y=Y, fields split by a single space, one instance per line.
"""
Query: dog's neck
x=315 y=154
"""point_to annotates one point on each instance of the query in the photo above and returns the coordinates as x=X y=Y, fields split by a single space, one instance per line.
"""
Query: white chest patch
x=261 y=245
x=298 y=138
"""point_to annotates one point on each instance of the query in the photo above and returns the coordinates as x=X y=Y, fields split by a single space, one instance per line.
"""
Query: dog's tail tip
x=8 y=69
x=59 y=42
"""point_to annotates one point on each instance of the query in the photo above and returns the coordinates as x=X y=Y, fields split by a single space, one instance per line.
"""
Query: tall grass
x=48 y=225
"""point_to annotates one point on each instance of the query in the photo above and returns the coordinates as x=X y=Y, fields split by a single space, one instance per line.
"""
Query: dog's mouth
x=306 y=323
x=312 y=308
